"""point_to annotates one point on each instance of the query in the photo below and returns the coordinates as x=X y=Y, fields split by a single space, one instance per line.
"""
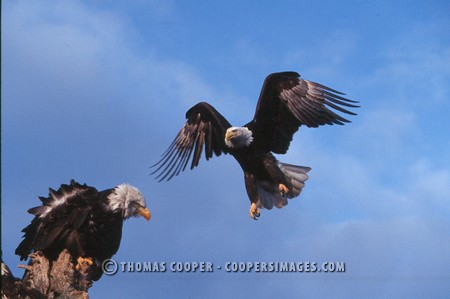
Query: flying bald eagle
x=286 y=102
x=86 y=222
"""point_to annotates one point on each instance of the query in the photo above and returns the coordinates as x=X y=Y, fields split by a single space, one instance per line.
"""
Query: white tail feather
x=297 y=176
x=269 y=196
x=268 y=193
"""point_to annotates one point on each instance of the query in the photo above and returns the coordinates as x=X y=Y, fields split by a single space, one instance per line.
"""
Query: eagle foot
x=83 y=262
x=283 y=189
x=254 y=212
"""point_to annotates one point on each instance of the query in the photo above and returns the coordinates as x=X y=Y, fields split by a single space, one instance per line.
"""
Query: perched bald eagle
x=286 y=102
x=86 y=222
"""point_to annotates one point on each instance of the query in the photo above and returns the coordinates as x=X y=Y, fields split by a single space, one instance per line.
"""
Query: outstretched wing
x=60 y=214
x=286 y=102
x=205 y=127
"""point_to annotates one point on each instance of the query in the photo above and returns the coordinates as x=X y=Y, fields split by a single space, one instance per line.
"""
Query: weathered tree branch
x=47 y=279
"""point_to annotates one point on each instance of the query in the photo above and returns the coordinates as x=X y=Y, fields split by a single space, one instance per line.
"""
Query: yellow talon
x=81 y=261
x=283 y=189
x=254 y=211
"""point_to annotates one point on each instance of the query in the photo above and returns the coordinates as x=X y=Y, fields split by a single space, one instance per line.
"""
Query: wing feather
x=204 y=130
x=62 y=211
x=286 y=102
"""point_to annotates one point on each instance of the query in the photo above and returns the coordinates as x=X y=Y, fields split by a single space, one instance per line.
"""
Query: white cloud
x=79 y=58
x=385 y=132
x=430 y=185
x=407 y=245
x=323 y=59
x=415 y=68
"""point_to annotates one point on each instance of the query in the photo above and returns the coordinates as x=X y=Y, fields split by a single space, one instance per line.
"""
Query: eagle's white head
x=130 y=200
x=237 y=137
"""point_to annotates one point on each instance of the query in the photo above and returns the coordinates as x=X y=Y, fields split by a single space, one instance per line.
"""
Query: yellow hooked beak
x=229 y=134
x=144 y=212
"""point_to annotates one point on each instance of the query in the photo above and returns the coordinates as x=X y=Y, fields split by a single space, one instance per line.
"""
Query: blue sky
x=96 y=91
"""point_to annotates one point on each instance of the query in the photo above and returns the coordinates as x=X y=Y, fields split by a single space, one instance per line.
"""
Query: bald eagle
x=286 y=102
x=86 y=222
